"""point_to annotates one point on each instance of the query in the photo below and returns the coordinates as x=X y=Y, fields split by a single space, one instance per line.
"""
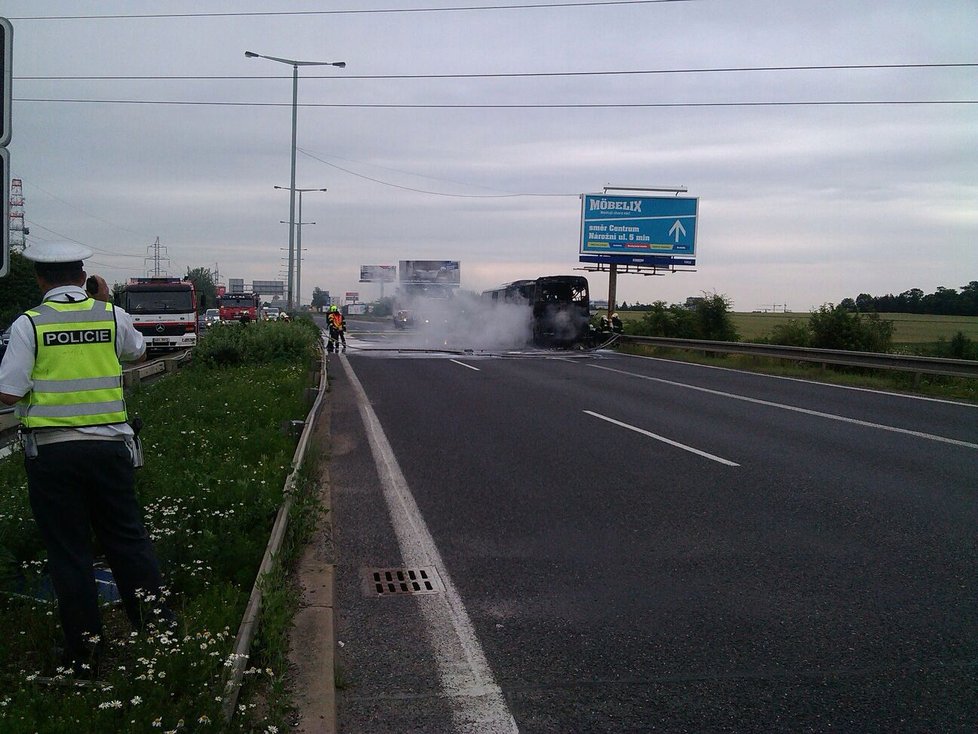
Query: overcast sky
x=799 y=204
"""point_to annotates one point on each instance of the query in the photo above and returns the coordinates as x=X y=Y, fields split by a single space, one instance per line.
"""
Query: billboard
x=352 y=296
x=268 y=287
x=430 y=271
x=378 y=273
x=236 y=285
x=638 y=226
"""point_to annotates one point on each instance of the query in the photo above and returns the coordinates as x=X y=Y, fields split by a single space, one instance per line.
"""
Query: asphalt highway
x=636 y=545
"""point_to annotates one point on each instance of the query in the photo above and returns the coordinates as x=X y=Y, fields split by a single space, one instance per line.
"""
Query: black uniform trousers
x=75 y=488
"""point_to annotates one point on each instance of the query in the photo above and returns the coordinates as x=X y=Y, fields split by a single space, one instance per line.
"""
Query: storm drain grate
x=380 y=582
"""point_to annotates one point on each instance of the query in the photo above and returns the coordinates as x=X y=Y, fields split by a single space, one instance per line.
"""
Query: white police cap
x=57 y=252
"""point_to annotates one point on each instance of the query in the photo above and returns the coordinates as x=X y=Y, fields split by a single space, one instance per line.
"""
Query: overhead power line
x=427 y=191
x=508 y=75
x=527 y=106
x=360 y=11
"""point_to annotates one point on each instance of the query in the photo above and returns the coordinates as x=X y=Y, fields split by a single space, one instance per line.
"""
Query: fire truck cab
x=163 y=310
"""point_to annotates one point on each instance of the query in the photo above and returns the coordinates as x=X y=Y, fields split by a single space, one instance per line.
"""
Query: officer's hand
x=98 y=289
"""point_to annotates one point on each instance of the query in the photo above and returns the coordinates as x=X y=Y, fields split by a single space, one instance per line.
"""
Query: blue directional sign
x=638 y=226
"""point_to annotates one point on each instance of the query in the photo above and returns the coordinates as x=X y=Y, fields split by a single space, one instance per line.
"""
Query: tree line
x=19 y=291
x=942 y=302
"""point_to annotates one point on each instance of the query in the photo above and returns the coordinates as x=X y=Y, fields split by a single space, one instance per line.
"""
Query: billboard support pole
x=612 y=287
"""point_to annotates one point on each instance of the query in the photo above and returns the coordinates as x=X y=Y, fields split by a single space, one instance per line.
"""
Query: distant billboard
x=430 y=271
x=352 y=296
x=378 y=273
x=236 y=285
x=268 y=287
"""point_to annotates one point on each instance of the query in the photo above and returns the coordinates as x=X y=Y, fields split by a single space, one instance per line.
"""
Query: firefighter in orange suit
x=337 y=330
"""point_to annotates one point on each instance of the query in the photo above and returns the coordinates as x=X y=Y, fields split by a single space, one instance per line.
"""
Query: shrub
x=713 y=320
x=960 y=347
x=832 y=327
x=259 y=342
x=709 y=319
x=794 y=333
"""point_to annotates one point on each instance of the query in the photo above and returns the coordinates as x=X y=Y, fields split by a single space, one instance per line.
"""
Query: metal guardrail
x=899 y=362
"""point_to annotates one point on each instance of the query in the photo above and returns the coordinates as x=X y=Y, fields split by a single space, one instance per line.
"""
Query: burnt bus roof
x=541 y=280
x=562 y=279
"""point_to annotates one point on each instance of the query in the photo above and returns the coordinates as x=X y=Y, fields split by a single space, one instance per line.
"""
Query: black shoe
x=84 y=664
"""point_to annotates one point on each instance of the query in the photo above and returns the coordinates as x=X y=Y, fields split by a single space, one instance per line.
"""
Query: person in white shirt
x=62 y=372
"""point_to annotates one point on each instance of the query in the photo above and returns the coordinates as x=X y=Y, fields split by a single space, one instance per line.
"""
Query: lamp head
x=340 y=64
x=251 y=55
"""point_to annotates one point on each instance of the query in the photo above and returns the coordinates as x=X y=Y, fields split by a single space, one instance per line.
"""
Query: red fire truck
x=164 y=310
x=235 y=306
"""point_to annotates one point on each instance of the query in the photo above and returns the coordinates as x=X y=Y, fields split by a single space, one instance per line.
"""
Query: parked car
x=270 y=313
x=212 y=316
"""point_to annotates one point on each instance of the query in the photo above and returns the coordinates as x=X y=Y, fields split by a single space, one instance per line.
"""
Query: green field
x=907 y=328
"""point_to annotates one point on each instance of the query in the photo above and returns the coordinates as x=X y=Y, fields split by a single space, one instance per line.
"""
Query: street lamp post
x=298 y=259
x=295 y=106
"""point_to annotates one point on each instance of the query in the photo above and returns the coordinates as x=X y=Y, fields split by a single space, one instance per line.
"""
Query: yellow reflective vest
x=77 y=375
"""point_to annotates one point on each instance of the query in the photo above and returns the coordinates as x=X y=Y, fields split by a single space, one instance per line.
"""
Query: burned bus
x=558 y=308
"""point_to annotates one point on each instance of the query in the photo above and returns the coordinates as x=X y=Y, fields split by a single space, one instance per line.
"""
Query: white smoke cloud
x=463 y=321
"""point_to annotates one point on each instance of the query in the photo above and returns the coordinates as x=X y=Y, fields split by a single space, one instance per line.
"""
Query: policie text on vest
x=78 y=336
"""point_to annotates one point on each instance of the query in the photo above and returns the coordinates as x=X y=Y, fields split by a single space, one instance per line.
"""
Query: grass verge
x=216 y=463
x=935 y=386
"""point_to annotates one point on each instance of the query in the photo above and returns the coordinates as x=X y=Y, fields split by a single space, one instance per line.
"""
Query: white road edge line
x=678 y=445
x=795 y=409
x=467 y=681
x=465 y=365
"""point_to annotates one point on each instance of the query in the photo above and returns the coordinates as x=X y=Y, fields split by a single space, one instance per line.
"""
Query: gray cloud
x=798 y=204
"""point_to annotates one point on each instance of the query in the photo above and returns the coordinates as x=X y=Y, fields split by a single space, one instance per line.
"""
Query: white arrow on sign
x=678 y=229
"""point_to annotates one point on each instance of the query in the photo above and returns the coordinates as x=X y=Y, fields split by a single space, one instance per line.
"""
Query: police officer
x=62 y=372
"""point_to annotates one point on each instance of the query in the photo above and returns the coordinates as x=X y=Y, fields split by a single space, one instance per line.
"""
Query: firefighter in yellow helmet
x=337 y=329
x=62 y=372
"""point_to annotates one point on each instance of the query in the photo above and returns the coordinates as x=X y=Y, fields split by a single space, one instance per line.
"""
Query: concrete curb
x=312 y=639
x=311 y=650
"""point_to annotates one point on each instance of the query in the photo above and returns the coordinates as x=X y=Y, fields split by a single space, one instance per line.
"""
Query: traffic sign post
x=6 y=75
x=5 y=209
